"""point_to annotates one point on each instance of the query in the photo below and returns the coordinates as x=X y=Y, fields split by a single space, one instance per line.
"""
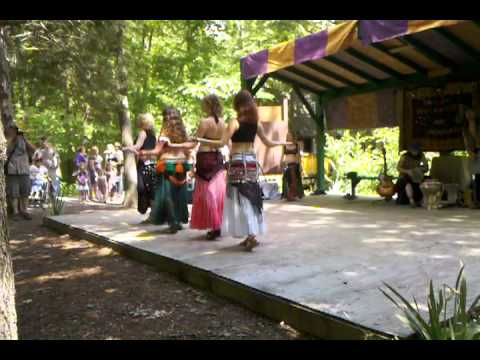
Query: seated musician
x=471 y=136
x=292 y=186
x=412 y=167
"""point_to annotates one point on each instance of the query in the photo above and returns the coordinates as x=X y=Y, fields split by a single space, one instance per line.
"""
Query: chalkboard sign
x=435 y=118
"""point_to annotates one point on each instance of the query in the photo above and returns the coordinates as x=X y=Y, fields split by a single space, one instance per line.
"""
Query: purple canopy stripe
x=255 y=64
x=311 y=47
x=372 y=31
x=301 y=50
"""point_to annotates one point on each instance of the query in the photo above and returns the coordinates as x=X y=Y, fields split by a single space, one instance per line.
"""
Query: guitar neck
x=384 y=161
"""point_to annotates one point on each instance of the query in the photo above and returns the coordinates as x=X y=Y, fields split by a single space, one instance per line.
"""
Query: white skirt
x=239 y=217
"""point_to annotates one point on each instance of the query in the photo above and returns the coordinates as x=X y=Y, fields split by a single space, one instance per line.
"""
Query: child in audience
x=38 y=178
x=102 y=186
x=82 y=181
x=111 y=175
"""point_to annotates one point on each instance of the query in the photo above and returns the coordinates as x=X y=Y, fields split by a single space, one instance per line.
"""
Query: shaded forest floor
x=72 y=289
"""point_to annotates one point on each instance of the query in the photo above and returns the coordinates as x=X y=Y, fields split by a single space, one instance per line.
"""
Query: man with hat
x=471 y=136
x=412 y=167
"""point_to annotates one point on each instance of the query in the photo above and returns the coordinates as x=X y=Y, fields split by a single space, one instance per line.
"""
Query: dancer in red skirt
x=210 y=183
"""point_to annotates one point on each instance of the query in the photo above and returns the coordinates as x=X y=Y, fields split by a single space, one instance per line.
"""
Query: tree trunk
x=8 y=314
x=124 y=120
x=6 y=105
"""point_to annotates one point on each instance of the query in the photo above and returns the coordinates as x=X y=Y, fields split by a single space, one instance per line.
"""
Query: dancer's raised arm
x=156 y=151
x=267 y=141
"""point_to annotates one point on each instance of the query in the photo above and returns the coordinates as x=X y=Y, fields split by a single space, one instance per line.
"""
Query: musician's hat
x=415 y=147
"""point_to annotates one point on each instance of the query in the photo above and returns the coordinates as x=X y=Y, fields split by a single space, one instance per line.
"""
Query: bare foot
x=252 y=242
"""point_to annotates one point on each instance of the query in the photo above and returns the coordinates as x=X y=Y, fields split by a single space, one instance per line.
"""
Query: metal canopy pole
x=318 y=118
x=260 y=84
x=320 y=142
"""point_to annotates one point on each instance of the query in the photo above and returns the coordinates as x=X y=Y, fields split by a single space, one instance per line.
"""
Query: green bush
x=69 y=189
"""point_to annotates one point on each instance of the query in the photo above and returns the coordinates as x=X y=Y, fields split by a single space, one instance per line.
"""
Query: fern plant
x=57 y=201
x=464 y=323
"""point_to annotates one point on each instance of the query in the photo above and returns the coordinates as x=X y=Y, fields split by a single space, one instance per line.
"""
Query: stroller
x=40 y=192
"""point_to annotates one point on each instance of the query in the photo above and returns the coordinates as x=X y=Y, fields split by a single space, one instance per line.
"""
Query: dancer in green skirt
x=170 y=203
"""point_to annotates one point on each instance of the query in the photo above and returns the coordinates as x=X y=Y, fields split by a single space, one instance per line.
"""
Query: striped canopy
x=371 y=58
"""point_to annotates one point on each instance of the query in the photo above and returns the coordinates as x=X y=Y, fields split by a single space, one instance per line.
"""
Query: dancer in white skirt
x=243 y=214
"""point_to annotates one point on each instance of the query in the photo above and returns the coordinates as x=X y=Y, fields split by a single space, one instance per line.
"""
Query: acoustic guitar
x=386 y=188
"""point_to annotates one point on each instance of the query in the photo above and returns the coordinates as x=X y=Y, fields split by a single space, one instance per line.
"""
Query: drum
x=243 y=168
x=432 y=193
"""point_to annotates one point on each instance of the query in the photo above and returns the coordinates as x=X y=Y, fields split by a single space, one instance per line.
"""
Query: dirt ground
x=72 y=289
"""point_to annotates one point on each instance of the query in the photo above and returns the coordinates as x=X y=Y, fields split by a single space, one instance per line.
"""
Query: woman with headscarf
x=170 y=204
x=243 y=211
x=209 y=194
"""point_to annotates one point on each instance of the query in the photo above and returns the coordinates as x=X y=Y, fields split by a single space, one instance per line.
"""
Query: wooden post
x=285 y=109
x=320 y=142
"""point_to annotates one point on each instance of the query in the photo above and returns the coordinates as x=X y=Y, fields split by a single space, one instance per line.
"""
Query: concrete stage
x=321 y=264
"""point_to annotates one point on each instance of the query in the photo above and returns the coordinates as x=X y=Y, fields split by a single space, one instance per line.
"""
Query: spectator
x=80 y=157
x=38 y=178
x=102 y=186
x=110 y=155
x=94 y=165
x=120 y=168
x=17 y=171
x=82 y=180
x=51 y=160
x=111 y=174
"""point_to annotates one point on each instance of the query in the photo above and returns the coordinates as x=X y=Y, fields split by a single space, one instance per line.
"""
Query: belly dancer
x=145 y=163
x=210 y=182
x=243 y=211
x=170 y=202
x=292 y=186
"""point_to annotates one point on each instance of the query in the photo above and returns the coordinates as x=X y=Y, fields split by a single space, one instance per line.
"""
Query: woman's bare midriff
x=290 y=158
x=242 y=147
x=173 y=154
x=147 y=158
x=208 y=148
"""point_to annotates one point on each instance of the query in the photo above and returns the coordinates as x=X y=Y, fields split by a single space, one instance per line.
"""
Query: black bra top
x=291 y=152
x=246 y=132
x=150 y=141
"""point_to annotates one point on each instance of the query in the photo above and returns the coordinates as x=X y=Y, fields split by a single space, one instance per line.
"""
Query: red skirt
x=208 y=200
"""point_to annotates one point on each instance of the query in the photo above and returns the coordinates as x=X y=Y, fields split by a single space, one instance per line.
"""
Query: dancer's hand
x=164 y=139
x=131 y=149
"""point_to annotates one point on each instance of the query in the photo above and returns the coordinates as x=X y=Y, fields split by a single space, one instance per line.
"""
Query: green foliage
x=57 y=203
x=358 y=151
x=69 y=190
x=463 y=325
x=64 y=71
